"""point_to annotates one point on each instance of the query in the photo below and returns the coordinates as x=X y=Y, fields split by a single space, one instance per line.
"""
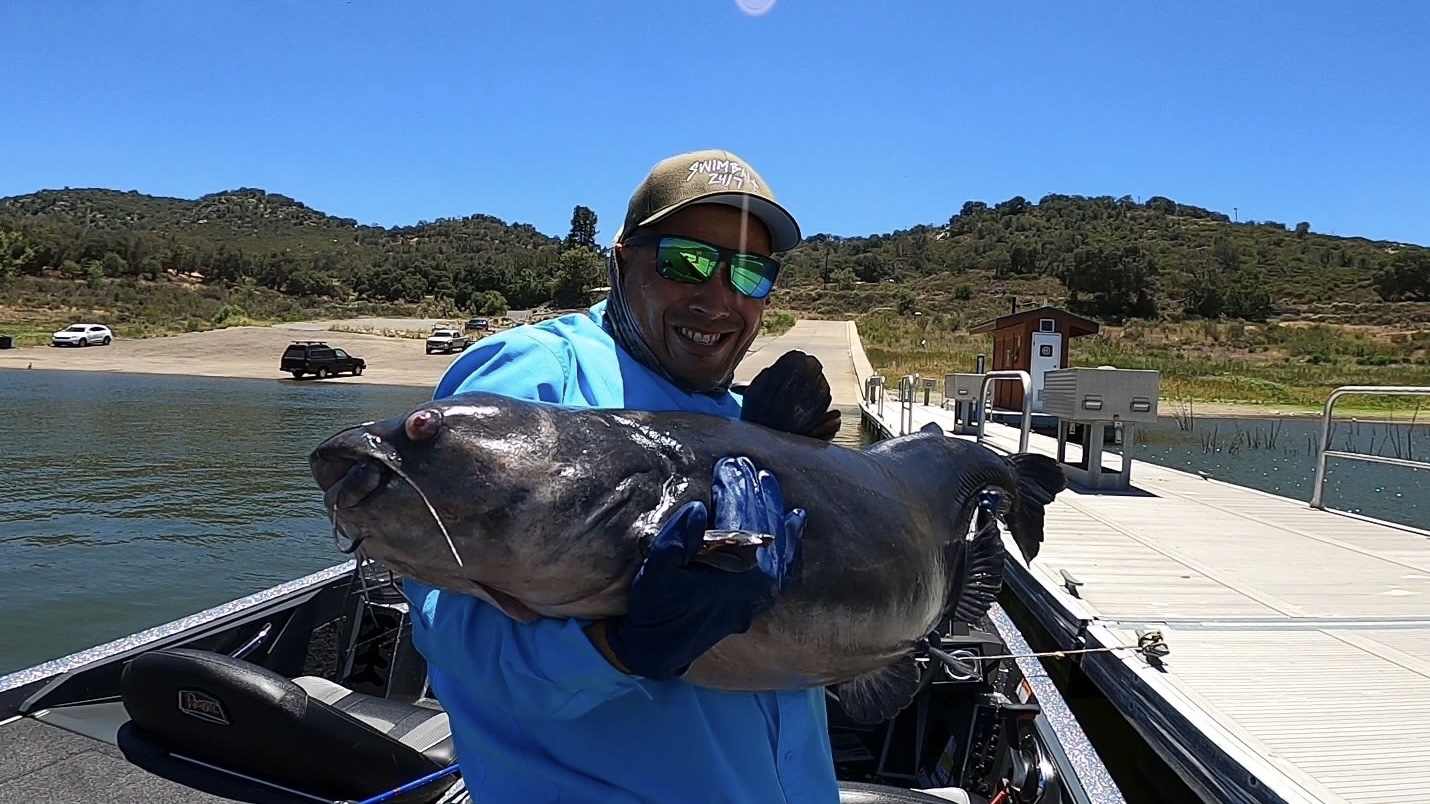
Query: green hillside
x=1115 y=258
x=1179 y=288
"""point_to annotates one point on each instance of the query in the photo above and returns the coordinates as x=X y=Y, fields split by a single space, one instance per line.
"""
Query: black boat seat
x=306 y=734
x=866 y=793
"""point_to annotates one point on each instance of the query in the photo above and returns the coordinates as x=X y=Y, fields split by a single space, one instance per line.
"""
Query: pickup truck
x=447 y=340
x=319 y=359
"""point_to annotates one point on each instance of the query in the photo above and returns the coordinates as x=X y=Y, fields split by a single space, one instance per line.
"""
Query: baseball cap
x=710 y=177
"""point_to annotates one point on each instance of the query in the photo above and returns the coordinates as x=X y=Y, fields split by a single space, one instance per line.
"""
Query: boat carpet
x=44 y=764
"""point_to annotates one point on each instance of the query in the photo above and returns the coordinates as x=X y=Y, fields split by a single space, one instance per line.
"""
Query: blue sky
x=863 y=116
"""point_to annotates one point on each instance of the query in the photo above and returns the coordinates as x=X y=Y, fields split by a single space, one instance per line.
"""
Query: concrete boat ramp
x=1267 y=650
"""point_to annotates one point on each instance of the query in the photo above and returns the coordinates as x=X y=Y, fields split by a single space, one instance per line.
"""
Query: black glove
x=680 y=606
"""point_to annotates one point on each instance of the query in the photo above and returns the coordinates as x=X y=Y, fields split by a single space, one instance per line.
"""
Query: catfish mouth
x=348 y=481
x=352 y=473
x=360 y=480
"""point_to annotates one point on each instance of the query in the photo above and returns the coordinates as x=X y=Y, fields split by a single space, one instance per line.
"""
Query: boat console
x=312 y=692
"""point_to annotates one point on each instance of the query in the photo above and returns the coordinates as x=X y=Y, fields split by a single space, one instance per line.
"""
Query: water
x=131 y=500
x=1279 y=456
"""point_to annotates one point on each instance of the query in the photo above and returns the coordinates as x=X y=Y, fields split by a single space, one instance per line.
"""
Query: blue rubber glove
x=681 y=606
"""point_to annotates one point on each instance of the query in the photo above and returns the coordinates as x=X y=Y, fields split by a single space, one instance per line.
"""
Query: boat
x=312 y=691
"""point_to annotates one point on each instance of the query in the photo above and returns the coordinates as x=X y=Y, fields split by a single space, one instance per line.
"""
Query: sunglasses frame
x=723 y=255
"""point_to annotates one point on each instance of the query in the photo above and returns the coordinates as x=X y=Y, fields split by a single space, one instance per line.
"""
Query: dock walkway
x=1299 y=664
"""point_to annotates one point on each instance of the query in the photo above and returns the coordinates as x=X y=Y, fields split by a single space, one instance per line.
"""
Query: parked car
x=82 y=335
x=478 y=324
x=319 y=359
x=447 y=340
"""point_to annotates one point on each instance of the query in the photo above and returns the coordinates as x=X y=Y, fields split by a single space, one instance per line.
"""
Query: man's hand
x=680 y=607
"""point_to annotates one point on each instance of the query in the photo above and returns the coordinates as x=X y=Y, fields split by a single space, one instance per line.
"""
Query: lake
x=1279 y=456
x=132 y=500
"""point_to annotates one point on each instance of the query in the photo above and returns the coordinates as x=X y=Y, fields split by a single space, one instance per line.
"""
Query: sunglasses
x=683 y=259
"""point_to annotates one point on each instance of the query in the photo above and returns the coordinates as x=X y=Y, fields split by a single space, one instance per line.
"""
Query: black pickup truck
x=319 y=359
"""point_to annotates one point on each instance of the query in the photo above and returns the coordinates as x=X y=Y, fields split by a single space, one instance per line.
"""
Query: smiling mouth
x=705 y=340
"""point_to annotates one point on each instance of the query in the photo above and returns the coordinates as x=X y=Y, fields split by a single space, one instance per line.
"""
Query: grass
x=776 y=323
x=1292 y=366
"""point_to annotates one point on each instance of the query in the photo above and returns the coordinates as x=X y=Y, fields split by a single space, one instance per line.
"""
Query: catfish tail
x=1039 y=478
x=977 y=563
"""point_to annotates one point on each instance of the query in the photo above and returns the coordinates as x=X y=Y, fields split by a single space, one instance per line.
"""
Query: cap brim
x=784 y=230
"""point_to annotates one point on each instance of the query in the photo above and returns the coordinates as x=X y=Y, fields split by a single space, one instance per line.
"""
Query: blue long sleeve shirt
x=537 y=714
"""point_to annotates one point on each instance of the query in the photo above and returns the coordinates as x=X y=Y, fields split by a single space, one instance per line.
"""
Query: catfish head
x=480 y=493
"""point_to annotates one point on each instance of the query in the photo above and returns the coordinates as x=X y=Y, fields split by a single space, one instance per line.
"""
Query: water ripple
x=1279 y=457
x=131 y=500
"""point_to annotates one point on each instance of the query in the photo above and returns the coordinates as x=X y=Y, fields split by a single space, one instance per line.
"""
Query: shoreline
x=242 y=352
x=252 y=352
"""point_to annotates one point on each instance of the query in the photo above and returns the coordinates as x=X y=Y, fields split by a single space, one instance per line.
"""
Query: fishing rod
x=381 y=798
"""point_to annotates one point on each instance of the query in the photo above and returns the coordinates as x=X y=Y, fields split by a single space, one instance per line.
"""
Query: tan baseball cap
x=710 y=177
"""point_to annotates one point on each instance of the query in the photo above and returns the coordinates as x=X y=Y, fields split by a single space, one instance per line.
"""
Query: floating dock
x=1297 y=640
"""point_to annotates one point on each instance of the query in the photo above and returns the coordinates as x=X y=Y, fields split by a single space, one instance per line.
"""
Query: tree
x=1247 y=296
x=1112 y=281
x=583 y=229
x=1405 y=278
x=15 y=253
x=581 y=269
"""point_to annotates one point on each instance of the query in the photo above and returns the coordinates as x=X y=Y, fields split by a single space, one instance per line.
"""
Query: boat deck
x=1299 y=664
x=45 y=764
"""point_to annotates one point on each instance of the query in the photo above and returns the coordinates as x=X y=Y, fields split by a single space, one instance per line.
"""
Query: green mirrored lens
x=751 y=276
x=694 y=262
x=685 y=261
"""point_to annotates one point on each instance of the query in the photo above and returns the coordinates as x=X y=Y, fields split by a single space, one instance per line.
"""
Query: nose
x=714 y=297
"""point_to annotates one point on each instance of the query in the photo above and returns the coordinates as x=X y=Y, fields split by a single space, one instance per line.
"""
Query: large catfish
x=547 y=511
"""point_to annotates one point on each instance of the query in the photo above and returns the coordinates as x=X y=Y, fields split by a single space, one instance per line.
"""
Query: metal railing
x=874 y=393
x=985 y=404
x=908 y=389
x=1326 y=453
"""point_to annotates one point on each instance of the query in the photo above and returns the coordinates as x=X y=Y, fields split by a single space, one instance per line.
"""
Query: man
x=596 y=712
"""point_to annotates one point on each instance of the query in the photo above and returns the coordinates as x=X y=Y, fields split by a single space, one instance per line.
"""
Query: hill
x=267 y=240
x=1114 y=258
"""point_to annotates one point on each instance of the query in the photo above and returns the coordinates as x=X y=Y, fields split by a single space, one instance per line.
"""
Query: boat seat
x=866 y=793
x=307 y=734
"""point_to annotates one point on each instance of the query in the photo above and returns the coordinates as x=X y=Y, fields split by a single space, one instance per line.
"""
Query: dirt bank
x=245 y=352
x=253 y=353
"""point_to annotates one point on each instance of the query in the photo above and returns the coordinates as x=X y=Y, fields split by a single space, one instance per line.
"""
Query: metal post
x=906 y=404
x=1027 y=422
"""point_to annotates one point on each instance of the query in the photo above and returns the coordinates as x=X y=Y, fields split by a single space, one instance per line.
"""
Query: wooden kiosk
x=1035 y=341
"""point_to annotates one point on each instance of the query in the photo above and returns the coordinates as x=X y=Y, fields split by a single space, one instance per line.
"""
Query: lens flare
x=755 y=8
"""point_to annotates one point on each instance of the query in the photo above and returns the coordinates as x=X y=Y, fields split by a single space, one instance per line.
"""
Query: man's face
x=675 y=317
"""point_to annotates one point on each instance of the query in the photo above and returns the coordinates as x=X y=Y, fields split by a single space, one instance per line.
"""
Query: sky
x=863 y=117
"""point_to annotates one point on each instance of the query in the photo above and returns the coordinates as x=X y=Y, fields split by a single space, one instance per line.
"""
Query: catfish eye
x=423 y=425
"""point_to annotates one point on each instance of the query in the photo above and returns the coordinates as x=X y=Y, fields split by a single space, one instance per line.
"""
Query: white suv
x=82 y=335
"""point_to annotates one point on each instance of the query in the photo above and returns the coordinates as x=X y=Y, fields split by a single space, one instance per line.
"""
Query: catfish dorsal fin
x=792 y=395
x=879 y=695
